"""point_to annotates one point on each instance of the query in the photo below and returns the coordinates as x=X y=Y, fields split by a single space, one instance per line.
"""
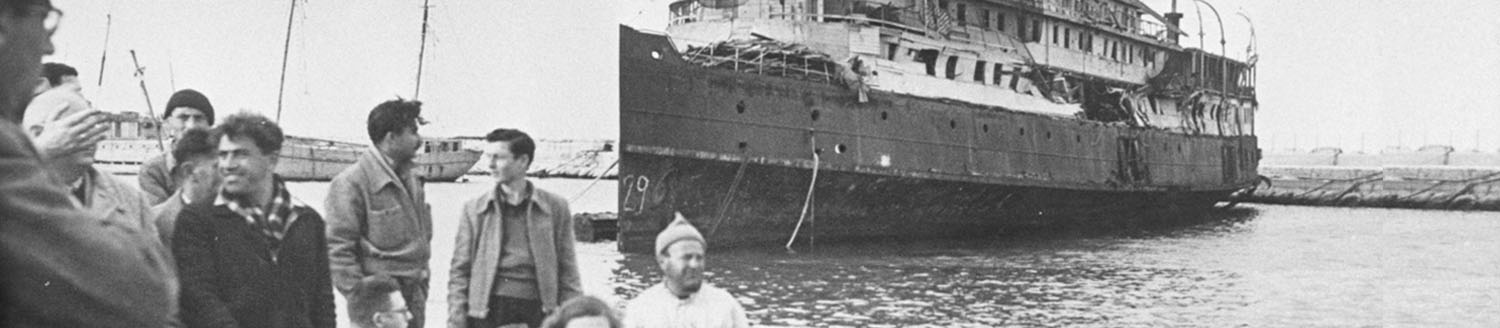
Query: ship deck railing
x=766 y=57
x=1142 y=28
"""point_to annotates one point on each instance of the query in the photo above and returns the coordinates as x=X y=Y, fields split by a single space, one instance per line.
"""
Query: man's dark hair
x=582 y=306
x=371 y=296
x=54 y=72
x=392 y=116
x=192 y=144
x=266 y=134
x=520 y=142
x=18 y=7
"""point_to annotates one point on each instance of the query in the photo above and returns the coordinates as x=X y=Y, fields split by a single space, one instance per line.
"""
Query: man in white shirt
x=682 y=299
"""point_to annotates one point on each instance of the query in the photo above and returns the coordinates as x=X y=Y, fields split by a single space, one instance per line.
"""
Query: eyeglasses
x=52 y=18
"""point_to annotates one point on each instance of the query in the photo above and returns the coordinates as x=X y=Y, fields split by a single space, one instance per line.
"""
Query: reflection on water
x=1255 y=266
x=1258 y=266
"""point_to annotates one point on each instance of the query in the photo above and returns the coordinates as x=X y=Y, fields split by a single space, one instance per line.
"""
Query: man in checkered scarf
x=254 y=247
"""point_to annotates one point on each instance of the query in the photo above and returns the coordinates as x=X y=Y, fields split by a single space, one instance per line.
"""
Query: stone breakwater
x=565 y=158
x=1433 y=177
x=1430 y=187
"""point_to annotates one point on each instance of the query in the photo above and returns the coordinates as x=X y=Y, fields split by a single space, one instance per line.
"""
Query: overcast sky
x=1331 y=72
x=547 y=67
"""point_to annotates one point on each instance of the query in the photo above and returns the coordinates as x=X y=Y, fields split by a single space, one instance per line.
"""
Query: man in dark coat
x=59 y=266
x=254 y=257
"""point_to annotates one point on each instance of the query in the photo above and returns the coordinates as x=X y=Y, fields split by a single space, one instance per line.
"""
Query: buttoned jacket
x=377 y=223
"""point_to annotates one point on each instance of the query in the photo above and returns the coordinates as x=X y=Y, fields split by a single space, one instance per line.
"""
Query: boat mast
x=109 y=20
x=140 y=74
x=422 y=51
x=285 y=49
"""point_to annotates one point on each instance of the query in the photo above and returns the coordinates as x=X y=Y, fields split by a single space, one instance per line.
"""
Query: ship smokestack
x=1174 y=19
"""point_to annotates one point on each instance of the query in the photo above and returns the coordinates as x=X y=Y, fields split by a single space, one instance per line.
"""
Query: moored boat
x=133 y=140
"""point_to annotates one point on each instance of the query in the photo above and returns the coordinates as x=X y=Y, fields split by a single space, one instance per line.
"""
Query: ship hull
x=735 y=152
x=764 y=207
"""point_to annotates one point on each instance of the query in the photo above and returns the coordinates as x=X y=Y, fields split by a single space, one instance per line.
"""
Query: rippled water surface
x=1254 y=266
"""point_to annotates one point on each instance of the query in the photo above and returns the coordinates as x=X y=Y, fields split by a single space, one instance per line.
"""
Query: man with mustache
x=379 y=222
x=682 y=299
x=254 y=256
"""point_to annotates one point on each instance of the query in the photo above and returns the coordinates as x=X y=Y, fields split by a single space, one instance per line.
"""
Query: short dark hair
x=266 y=134
x=391 y=117
x=520 y=142
x=18 y=7
x=370 y=296
x=193 y=143
x=54 y=72
x=582 y=306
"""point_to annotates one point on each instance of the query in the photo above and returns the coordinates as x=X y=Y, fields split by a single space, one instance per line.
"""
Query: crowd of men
x=210 y=236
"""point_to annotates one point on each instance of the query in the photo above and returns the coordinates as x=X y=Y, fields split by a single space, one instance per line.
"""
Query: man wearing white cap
x=682 y=299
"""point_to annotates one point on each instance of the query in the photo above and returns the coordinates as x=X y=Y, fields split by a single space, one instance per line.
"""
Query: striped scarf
x=272 y=221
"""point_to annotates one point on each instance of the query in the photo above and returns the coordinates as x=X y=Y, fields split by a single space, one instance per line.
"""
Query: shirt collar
x=493 y=197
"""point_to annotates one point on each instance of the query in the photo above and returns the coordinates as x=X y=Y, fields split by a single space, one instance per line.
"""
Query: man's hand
x=77 y=132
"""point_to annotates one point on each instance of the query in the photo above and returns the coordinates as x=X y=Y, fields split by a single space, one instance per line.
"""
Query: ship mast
x=422 y=51
x=285 y=49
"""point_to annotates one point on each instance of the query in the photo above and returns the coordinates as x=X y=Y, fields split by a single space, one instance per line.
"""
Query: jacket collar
x=492 y=194
x=104 y=192
x=378 y=169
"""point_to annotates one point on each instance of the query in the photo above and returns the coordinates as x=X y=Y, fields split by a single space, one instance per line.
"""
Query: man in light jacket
x=513 y=260
x=379 y=221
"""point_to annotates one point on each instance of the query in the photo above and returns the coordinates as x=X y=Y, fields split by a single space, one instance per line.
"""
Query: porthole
x=1049 y=135
x=1023 y=131
x=985 y=127
x=953 y=124
x=883 y=116
x=840 y=149
x=655 y=55
x=744 y=145
x=815 y=115
x=740 y=107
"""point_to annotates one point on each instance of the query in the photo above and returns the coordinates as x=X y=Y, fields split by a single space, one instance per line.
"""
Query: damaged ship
x=770 y=122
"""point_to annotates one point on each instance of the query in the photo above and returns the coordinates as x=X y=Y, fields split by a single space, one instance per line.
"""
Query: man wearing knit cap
x=682 y=299
x=187 y=109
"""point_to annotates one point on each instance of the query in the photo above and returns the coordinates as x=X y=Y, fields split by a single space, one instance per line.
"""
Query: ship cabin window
x=1000 y=21
x=952 y=67
x=928 y=57
x=890 y=51
x=979 y=71
x=961 y=14
x=1085 y=41
x=999 y=75
x=1067 y=38
x=984 y=19
x=1021 y=28
x=1036 y=30
x=1054 y=34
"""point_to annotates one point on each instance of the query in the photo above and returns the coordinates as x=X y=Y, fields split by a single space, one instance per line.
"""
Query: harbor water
x=1252 y=266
